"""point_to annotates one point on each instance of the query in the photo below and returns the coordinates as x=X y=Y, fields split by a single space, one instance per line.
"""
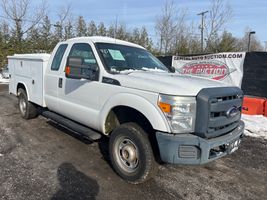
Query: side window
x=85 y=51
x=58 y=57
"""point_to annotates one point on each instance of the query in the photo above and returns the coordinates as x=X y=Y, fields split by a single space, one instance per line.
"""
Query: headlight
x=179 y=111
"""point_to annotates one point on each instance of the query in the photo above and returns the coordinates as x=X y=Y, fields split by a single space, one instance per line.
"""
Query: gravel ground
x=40 y=160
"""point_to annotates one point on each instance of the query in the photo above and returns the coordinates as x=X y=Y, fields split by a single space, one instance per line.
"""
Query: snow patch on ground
x=3 y=80
x=255 y=126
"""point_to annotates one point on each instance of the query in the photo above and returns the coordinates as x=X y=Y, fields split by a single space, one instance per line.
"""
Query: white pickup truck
x=104 y=86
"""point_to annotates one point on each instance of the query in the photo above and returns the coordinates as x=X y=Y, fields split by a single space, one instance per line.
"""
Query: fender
x=26 y=88
x=152 y=113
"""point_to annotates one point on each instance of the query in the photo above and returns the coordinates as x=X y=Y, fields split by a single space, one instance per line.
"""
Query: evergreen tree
x=121 y=33
x=145 y=41
x=46 y=34
x=101 y=29
x=33 y=41
x=57 y=33
x=92 y=29
x=111 y=31
x=81 y=27
x=68 y=30
x=141 y=37
x=227 y=43
x=5 y=45
x=135 y=36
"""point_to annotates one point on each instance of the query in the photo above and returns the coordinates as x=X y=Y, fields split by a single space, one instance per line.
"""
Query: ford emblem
x=232 y=112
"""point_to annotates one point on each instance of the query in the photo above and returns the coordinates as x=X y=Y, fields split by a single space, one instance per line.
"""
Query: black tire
x=27 y=109
x=131 y=154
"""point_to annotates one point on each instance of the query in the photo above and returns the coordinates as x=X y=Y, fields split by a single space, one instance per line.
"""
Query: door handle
x=60 y=82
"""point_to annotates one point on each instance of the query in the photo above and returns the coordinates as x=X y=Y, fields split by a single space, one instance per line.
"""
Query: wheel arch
x=133 y=105
x=22 y=86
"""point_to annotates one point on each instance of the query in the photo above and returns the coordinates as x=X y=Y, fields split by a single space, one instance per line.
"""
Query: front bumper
x=194 y=150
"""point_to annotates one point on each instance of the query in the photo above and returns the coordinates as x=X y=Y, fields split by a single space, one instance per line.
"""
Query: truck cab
x=105 y=86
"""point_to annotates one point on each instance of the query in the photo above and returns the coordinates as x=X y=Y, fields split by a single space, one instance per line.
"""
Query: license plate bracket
x=233 y=146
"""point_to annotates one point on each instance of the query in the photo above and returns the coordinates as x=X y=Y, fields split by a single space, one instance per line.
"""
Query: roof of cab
x=102 y=39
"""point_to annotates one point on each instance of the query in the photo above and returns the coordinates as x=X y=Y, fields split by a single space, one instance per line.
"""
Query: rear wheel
x=131 y=153
x=27 y=109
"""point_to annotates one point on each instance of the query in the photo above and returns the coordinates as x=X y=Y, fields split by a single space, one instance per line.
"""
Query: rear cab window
x=58 y=57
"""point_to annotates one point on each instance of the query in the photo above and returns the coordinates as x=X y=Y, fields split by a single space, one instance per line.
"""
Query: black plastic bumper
x=194 y=150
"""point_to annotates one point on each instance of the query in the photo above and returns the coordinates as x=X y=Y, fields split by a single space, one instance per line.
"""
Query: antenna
x=116 y=26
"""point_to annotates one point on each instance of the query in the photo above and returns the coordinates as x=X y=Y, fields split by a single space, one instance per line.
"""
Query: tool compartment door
x=36 y=85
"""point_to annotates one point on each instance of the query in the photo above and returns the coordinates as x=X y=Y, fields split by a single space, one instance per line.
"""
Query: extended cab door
x=52 y=77
x=78 y=98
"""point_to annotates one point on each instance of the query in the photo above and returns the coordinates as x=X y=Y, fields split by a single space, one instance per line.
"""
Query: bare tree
x=176 y=36
x=165 y=26
x=4 y=31
x=220 y=13
x=169 y=27
x=63 y=14
x=22 y=15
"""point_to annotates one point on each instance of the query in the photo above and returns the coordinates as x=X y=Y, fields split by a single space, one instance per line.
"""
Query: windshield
x=120 y=58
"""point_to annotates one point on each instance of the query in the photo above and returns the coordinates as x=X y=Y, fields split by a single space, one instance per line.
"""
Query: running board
x=91 y=134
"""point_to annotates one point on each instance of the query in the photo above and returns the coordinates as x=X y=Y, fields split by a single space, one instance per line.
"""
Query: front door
x=78 y=98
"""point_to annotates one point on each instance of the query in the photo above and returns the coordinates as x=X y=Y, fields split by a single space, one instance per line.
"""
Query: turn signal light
x=165 y=107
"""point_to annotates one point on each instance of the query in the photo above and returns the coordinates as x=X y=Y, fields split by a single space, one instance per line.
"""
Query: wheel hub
x=127 y=154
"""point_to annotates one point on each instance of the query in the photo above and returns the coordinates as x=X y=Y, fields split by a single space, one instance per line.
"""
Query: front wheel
x=27 y=109
x=131 y=153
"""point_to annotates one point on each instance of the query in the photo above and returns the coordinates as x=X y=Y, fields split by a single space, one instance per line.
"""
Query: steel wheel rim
x=22 y=105
x=126 y=154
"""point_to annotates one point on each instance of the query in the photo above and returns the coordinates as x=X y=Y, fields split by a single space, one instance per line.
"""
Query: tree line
x=27 y=29
x=178 y=35
x=45 y=36
x=21 y=32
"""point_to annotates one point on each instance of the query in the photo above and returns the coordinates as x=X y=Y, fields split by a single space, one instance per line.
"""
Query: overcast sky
x=137 y=13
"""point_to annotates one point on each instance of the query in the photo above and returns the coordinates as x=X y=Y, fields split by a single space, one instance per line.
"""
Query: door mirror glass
x=77 y=68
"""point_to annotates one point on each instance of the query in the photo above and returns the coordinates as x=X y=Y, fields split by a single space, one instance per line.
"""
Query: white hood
x=166 y=83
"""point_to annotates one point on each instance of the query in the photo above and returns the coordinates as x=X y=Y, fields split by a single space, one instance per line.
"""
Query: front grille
x=218 y=111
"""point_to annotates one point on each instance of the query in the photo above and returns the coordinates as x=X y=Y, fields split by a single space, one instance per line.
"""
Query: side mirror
x=172 y=69
x=77 y=69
